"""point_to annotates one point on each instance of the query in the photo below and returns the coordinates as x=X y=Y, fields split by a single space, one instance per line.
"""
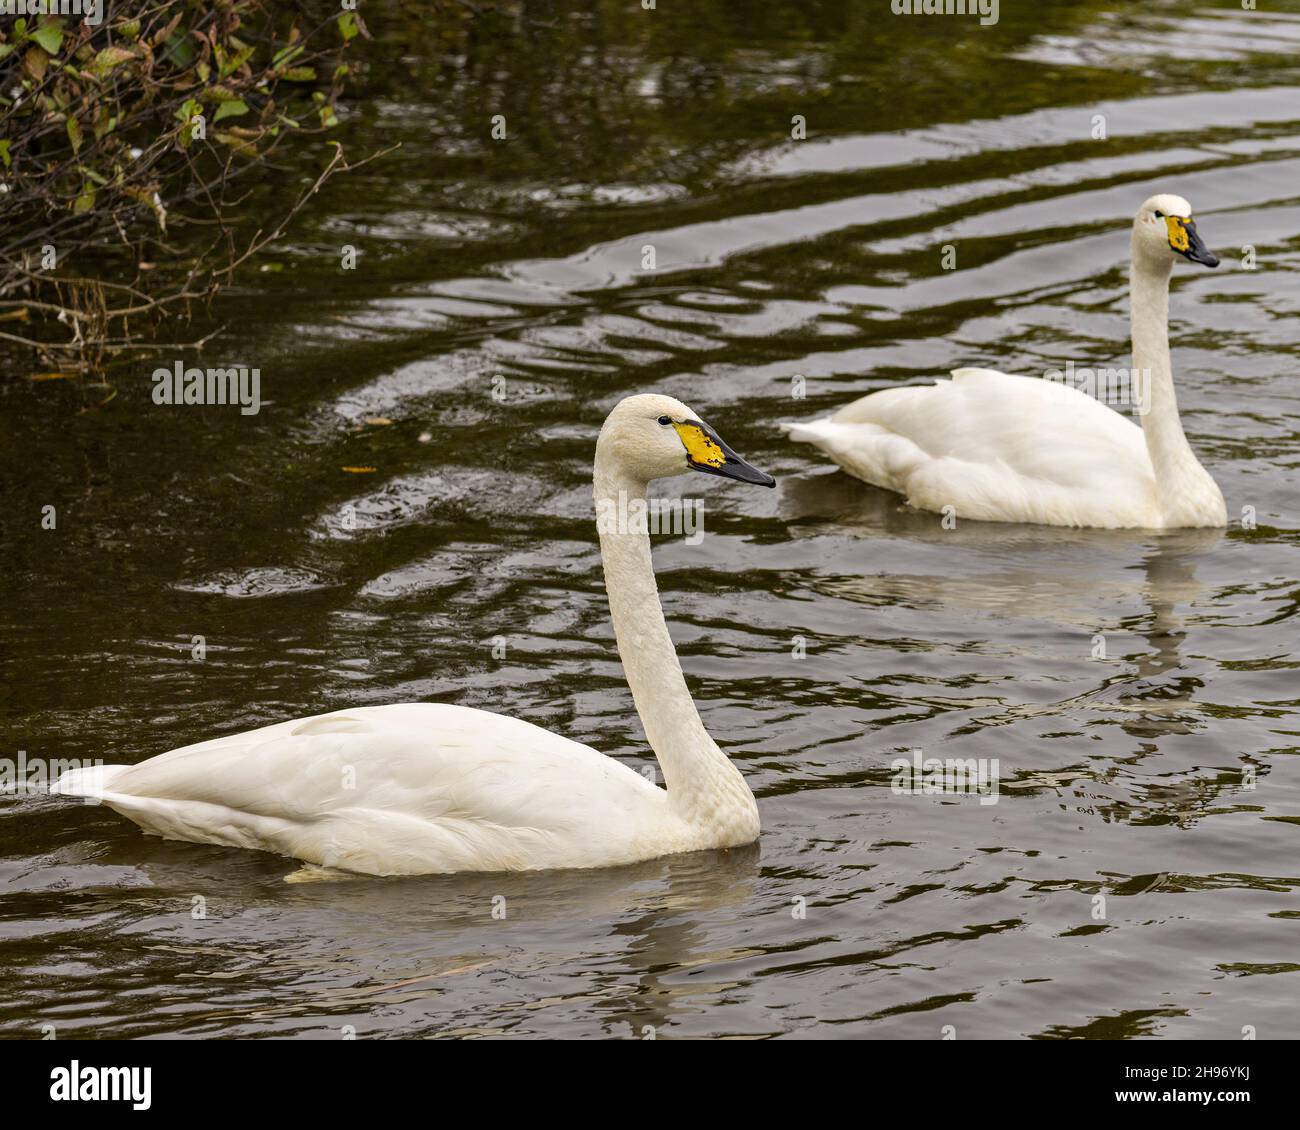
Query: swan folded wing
x=1040 y=429
x=996 y=447
x=393 y=789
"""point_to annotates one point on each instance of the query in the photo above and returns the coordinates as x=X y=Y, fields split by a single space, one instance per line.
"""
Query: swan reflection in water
x=354 y=950
x=1073 y=581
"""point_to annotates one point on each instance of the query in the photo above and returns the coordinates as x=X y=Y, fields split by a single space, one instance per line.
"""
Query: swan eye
x=665 y=421
x=1160 y=215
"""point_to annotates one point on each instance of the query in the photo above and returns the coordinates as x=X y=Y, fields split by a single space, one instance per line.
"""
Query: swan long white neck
x=703 y=786
x=1187 y=494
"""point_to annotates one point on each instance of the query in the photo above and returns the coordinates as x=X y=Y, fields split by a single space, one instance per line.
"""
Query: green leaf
x=74 y=133
x=189 y=110
x=232 y=63
x=109 y=58
x=85 y=202
x=300 y=74
x=4 y=154
x=234 y=108
x=348 y=26
x=49 y=37
x=285 y=56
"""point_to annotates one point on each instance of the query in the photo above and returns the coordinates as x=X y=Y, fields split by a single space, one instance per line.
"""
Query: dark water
x=1164 y=777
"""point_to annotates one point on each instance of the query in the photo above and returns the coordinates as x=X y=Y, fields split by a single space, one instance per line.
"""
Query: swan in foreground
x=1026 y=449
x=422 y=788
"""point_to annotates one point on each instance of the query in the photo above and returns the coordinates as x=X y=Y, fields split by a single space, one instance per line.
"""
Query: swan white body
x=1003 y=448
x=422 y=788
x=434 y=788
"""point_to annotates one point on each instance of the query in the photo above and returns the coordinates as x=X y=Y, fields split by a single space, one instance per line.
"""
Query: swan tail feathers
x=809 y=432
x=868 y=451
x=90 y=781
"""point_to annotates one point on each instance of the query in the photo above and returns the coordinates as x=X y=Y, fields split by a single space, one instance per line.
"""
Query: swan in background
x=1024 y=449
x=421 y=788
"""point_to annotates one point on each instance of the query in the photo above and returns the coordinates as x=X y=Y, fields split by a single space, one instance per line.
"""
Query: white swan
x=421 y=788
x=1024 y=449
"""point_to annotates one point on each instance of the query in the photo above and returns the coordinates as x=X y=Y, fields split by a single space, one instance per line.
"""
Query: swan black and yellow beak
x=1184 y=240
x=706 y=452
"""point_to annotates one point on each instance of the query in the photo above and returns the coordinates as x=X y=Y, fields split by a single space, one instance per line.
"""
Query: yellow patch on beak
x=1177 y=233
x=699 y=447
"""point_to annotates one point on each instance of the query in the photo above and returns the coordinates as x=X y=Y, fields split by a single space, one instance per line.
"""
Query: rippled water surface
x=1163 y=776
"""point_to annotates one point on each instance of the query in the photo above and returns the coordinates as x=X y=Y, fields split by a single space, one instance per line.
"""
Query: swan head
x=1164 y=228
x=653 y=437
